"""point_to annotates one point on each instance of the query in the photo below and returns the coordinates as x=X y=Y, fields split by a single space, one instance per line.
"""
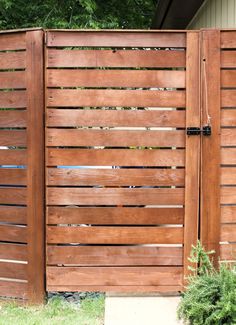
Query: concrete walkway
x=141 y=310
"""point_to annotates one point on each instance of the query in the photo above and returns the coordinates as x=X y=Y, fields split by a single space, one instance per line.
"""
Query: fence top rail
x=8 y=31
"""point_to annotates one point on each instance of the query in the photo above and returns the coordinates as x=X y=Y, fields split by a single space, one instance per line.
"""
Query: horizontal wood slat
x=228 y=176
x=228 y=78
x=13 y=138
x=117 y=196
x=114 y=138
x=228 y=195
x=228 y=59
x=228 y=214
x=116 y=58
x=13 y=214
x=13 y=252
x=12 y=60
x=13 y=195
x=114 y=276
x=228 y=137
x=116 y=39
x=114 y=235
x=13 y=99
x=13 y=289
x=12 y=79
x=13 y=270
x=117 y=157
x=108 y=256
x=14 y=119
x=118 y=215
x=111 y=97
x=228 y=117
x=13 y=157
x=113 y=118
x=228 y=233
x=228 y=156
x=16 y=234
x=228 y=98
x=115 y=177
x=115 y=78
x=228 y=39
x=228 y=252
x=12 y=41
x=12 y=176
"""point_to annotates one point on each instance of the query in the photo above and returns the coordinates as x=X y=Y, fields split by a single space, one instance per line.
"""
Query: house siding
x=215 y=14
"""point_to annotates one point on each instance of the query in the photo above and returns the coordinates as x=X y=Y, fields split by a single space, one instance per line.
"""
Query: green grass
x=55 y=312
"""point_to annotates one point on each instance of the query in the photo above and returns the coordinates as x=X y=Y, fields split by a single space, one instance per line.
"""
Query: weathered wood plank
x=12 y=79
x=14 y=41
x=13 y=138
x=228 y=39
x=15 y=234
x=13 y=119
x=228 y=59
x=12 y=60
x=13 y=289
x=228 y=156
x=12 y=176
x=10 y=251
x=228 y=252
x=13 y=99
x=228 y=117
x=13 y=214
x=13 y=270
x=228 y=98
x=13 y=157
x=13 y=195
x=228 y=195
x=228 y=214
x=228 y=233
x=228 y=78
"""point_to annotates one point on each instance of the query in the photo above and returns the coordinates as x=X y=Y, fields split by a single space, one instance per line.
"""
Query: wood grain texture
x=13 y=270
x=228 y=233
x=113 y=118
x=228 y=214
x=117 y=157
x=13 y=138
x=114 y=255
x=115 y=177
x=118 y=216
x=114 y=138
x=12 y=176
x=228 y=39
x=228 y=176
x=192 y=164
x=35 y=162
x=228 y=156
x=10 y=251
x=14 y=119
x=114 y=39
x=210 y=154
x=13 y=195
x=13 y=214
x=15 y=234
x=228 y=195
x=228 y=117
x=114 y=196
x=228 y=252
x=12 y=79
x=228 y=137
x=228 y=59
x=14 y=41
x=13 y=157
x=13 y=289
x=228 y=78
x=115 y=78
x=228 y=98
x=12 y=60
x=13 y=99
x=113 y=98
x=116 y=58
x=114 y=235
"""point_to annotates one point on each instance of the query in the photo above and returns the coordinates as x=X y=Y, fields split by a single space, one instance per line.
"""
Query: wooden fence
x=124 y=182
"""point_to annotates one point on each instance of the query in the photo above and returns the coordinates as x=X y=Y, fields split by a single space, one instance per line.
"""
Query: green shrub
x=210 y=297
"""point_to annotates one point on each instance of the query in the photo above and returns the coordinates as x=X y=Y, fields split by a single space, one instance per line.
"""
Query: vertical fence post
x=210 y=153
x=35 y=166
x=192 y=163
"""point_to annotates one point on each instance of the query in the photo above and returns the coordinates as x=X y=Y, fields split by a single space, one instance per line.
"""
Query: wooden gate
x=122 y=177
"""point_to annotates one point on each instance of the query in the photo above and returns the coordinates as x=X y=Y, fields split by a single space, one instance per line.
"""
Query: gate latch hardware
x=206 y=130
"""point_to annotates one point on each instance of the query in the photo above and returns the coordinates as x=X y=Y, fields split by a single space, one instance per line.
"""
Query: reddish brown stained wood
x=114 y=138
x=15 y=41
x=13 y=289
x=11 y=118
x=114 y=276
x=13 y=270
x=117 y=196
x=228 y=98
x=228 y=233
x=117 y=157
x=12 y=79
x=114 y=235
x=228 y=78
x=210 y=154
x=110 y=255
x=13 y=252
x=135 y=118
x=115 y=177
x=228 y=252
x=13 y=99
x=118 y=215
x=15 y=234
x=116 y=58
x=228 y=156
x=228 y=195
x=13 y=195
x=12 y=176
x=13 y=138
x=116 y=39
x=228 y=59
x=228 y=39
x=111 y=97
x=228 y=117
x=13 y=214
x=35 y=162
x=120 y=288
x=12 y=60
x=115 y=78
x=228 y=137
x=13 y=157
x=192 y=164
x=228 y=214
x=228 y=176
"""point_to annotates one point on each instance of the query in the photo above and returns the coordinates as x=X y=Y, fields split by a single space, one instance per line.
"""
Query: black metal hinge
x=206 y=130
